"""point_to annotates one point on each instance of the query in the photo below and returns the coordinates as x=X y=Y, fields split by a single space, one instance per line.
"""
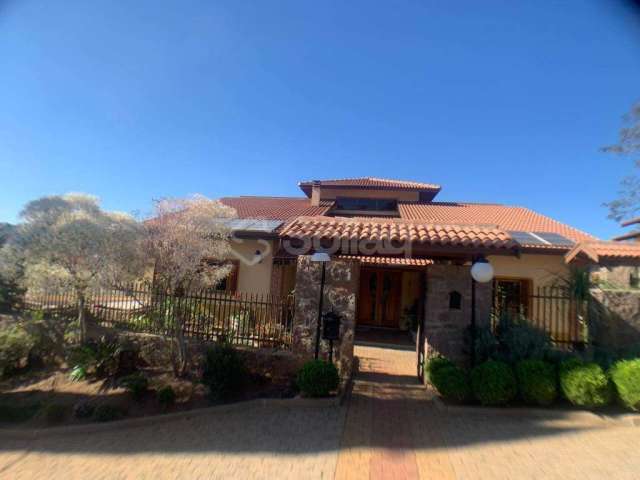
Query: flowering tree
x=68 y=241
x=187 y=241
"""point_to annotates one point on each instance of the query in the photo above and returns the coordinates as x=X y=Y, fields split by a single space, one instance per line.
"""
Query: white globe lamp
x=482 y=271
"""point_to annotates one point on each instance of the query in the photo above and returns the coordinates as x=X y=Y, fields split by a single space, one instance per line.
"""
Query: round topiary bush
x=585 y=384
x=493 y=383
x=318 y=378
x=452 y=383
x=225 y=372
x=537 y=382
x=433 y=364
x=626 y=378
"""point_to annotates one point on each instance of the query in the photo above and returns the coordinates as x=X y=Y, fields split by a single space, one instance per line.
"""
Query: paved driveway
x=390 y=429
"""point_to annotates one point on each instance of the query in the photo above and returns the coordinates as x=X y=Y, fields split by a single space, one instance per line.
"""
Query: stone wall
x=340 y=295
x=615 y=318
x=445 y=328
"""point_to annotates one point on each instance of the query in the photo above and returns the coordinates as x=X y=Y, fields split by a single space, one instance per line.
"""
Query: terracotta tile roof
x=499 y=216
x=341 y=228
x=492 y=216
x=599 y=252
x=274 y=208
x=399 y=261
x=371 y=183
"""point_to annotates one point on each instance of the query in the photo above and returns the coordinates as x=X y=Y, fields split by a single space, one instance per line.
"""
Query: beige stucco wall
x=543 y=270
x=253 y=278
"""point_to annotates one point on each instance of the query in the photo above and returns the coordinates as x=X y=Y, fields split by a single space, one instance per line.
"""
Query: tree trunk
x=82 y=319
x=180 y=356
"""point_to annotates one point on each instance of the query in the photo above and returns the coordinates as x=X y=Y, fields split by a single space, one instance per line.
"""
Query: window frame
x=526 y=293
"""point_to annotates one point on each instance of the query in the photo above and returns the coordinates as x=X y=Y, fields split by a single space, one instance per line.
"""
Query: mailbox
x=331 y=326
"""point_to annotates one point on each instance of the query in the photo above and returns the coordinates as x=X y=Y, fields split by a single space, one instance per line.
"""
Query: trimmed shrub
x=452 y=383
x=584 y=384
x=493 y=383
x=15 y=345
x=136 y=384
x=433 y=364
x=537 y=382
x=626 y=378
x=225 y=372
x=318 y=378
x=55 y=413
x=107 y=413
x=521 y=341
x=166 y=396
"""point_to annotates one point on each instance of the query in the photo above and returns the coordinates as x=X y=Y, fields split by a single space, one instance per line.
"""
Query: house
x=401 y=259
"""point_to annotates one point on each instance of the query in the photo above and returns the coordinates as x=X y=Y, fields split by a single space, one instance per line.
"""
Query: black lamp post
x=481 y=272
x=320 y=257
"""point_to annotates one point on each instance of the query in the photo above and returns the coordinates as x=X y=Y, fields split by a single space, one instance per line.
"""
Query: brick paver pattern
x=390 y=428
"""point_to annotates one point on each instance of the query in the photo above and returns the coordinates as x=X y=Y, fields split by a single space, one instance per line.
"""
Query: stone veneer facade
x=444 y=327
x=615 y=318
x=340 y=295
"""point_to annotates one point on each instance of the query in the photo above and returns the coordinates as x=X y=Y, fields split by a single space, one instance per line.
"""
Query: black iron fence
x=258 y=320
x=552 y=309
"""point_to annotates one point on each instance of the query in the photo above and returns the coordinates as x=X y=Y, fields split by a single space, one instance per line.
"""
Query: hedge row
x=538 y=382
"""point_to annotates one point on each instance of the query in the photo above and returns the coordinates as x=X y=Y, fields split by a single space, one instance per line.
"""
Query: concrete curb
x=297 y=402
x=629 y=420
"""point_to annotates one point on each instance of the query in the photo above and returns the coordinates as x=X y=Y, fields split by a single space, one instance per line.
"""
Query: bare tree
x=68 y=241
x=187 y=241
x=628 y=203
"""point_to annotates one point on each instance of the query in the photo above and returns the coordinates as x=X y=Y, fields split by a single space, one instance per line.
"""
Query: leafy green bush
x=626 y=378
x=55 y=413
x=537 y=381
x=486 y=343
x=434 y=364
x=78 y=373
x=15 y=345
x=225 y=372
x=452 y=383
x=318 y=378
x=83 y=409
x=136 y=384
x=166 y=396
x=98 y=357
x=521 y=341
x=107 y=413
x=493 y=383
x=584 y=384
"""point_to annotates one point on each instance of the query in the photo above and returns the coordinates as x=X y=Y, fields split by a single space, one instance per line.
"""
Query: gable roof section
x=604 y=252
x=500 y=216
x=274 y=208
x=372 y=183
x=387 y=230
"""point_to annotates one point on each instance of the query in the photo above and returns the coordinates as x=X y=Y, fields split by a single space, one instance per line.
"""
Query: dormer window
x=347 y=206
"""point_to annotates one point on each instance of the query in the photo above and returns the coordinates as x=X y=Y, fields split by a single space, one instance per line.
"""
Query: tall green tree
x=627 y=205
x=69 y=242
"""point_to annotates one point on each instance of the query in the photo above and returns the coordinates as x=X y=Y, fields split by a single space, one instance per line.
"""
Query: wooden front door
x=379 y=301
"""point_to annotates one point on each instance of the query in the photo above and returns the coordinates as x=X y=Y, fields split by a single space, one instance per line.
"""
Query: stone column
x=340 y=295
x=445 y=327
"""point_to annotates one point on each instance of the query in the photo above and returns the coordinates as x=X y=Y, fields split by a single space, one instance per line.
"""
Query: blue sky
x=497 y=101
